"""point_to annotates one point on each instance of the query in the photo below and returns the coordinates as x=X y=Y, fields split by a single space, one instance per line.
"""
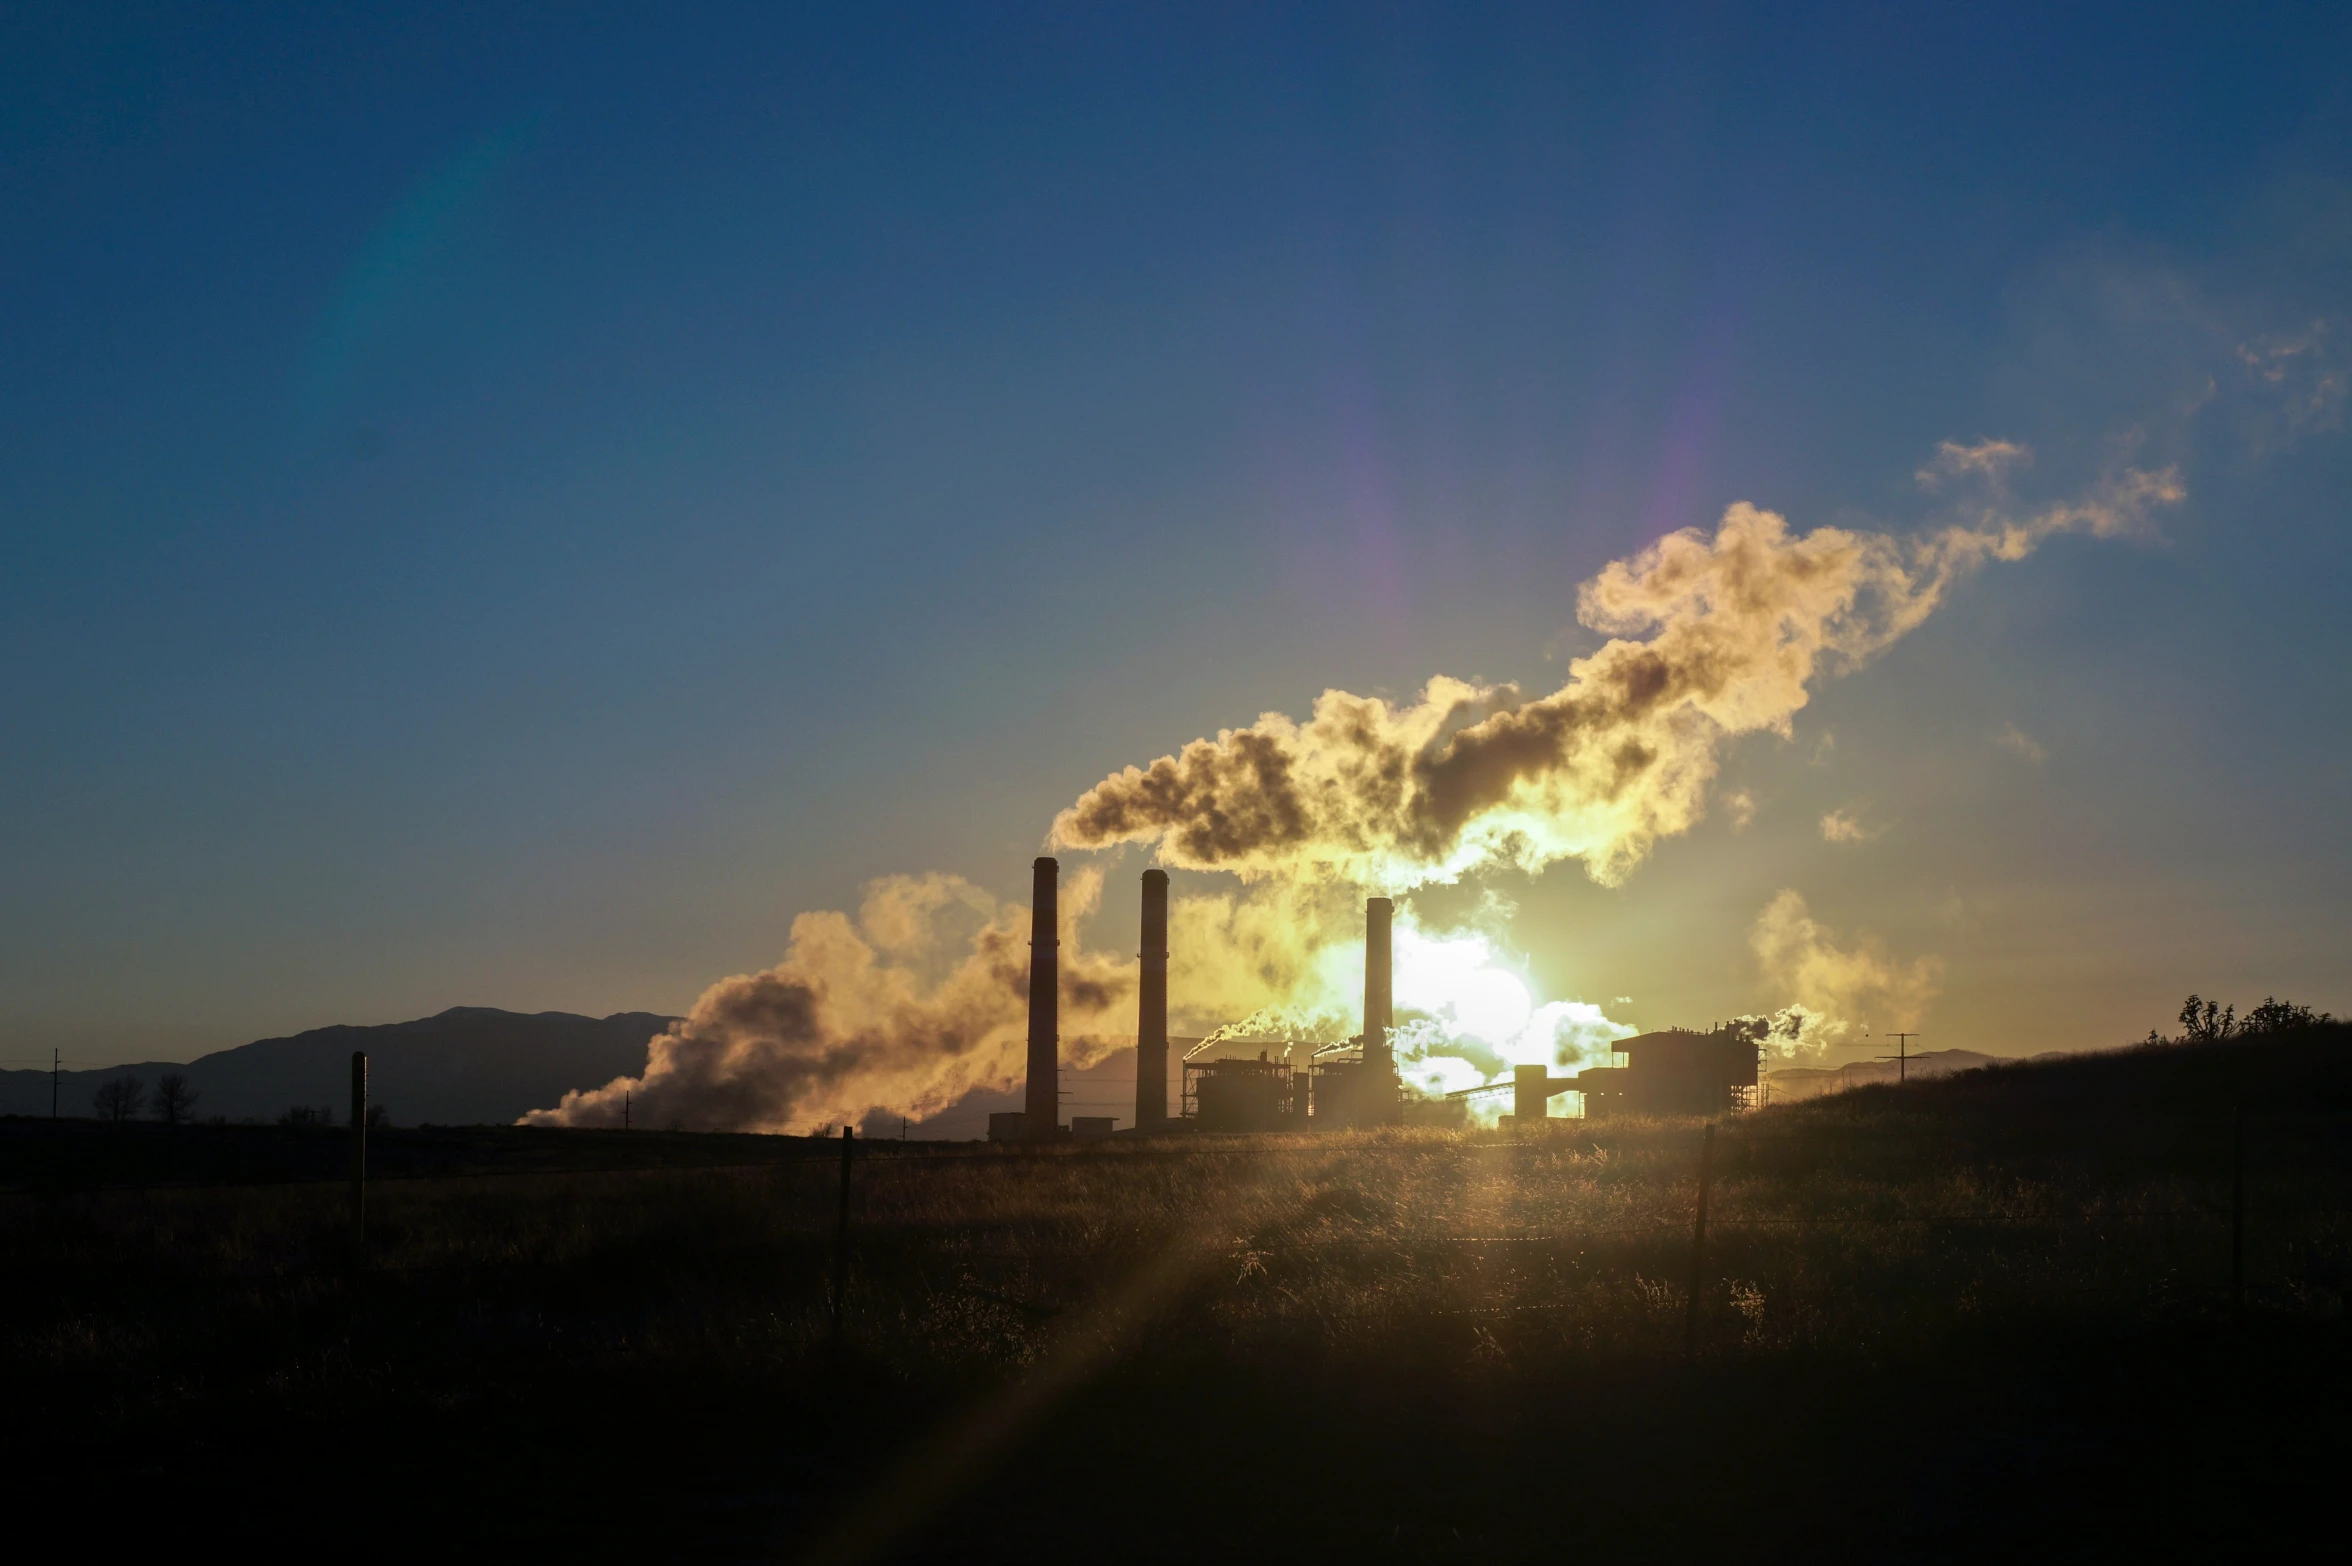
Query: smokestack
x=1045 y=1003
x=1151 y=1022
x=1377 y=911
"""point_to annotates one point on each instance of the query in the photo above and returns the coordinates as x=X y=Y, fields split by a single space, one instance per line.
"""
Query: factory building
x=1675 y=1072
x=1238 y=1094
x=1338 y=1087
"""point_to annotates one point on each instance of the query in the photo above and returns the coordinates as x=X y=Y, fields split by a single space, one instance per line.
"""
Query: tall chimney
x=1045 y=1004
x=1379 y=1102
x=1151 y=1022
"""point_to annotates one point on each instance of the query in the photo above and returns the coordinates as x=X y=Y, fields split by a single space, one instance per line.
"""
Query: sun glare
x=1456 y=978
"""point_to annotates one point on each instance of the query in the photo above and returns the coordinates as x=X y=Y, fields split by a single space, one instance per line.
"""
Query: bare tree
x=175 y=1101
x=119 y=1098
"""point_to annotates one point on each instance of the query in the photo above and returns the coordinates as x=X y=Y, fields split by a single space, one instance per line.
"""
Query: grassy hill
x=1993 y=1311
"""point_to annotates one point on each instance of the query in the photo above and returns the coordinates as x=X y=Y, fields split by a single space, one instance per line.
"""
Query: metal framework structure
x=1235 y=1093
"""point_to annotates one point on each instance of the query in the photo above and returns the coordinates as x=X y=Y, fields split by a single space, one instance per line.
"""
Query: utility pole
x=53 y=1082
x=2238 y=1210
x=1698 y=1273
x=624 y=1111
x=1902 y=1055
x=359 y=1094
x=841 y=1237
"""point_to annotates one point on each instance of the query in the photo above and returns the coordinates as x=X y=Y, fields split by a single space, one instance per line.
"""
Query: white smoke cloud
x=1836 y=991
x=880 y=1012
x=1716 y=635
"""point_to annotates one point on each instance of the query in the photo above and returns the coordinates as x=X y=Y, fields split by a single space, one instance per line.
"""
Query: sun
x=1459 y=979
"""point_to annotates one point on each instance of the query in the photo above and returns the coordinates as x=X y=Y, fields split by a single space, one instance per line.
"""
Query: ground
x=1992 y=1313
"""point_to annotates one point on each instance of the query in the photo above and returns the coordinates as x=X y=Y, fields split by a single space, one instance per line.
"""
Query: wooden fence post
x=2238 y=1209
x=841 y=1236
x=1690 y=1322
x=359 y=1151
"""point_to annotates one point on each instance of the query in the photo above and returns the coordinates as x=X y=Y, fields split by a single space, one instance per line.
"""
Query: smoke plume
x=880 y=1011
x=1838 y=990
x=1713 y=636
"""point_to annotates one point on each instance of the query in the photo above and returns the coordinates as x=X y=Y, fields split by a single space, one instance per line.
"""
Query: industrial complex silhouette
x=1340 y=1086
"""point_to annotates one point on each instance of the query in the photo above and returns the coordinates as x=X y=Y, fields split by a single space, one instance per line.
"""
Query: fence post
x=1690 y=1322
x=359 y=1151
x=2238 y=1209
x=841 y=1236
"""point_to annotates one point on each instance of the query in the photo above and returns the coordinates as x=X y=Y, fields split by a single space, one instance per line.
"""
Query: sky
x=513 y=506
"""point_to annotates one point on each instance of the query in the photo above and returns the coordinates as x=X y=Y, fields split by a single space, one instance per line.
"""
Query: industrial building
x=1239 y=1094
x=1354 y=1084
x=1677 y=1071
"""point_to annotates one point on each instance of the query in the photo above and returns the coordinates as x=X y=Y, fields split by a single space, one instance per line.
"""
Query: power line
x=1902 y=1055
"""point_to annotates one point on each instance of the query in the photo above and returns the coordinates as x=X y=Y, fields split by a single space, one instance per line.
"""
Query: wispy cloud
x=1989 y=460
x=1844 y=826
x=2299 y=376
x=2014 y=738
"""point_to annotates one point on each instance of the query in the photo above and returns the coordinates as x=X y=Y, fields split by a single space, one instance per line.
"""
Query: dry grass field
x=1995 y=1311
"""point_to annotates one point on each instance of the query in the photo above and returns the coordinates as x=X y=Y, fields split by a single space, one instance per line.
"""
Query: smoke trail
x=868 y=1014
x=1835 y=987
x=1738 y=625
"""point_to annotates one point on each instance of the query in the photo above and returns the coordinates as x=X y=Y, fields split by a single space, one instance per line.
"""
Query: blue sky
x=508 y=506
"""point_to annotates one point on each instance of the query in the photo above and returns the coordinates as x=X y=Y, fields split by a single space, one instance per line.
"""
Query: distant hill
x=471 y=1065
x=1800 y=1082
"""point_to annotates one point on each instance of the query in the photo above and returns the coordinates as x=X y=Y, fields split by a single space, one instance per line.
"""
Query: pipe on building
x=1044 y=1117
x=1151 y=1023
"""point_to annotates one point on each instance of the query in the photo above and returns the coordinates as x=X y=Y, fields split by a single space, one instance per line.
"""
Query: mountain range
x=476 y=1065
x=470 y=1065
x=1795 y=1082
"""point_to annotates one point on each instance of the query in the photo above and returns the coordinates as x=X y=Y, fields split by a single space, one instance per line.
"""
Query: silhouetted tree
x=376 y=1116
x=2277 y=1016
x=119 y=1098
x=2205 y=1022
x=175 y=1101
x=304 y=1115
